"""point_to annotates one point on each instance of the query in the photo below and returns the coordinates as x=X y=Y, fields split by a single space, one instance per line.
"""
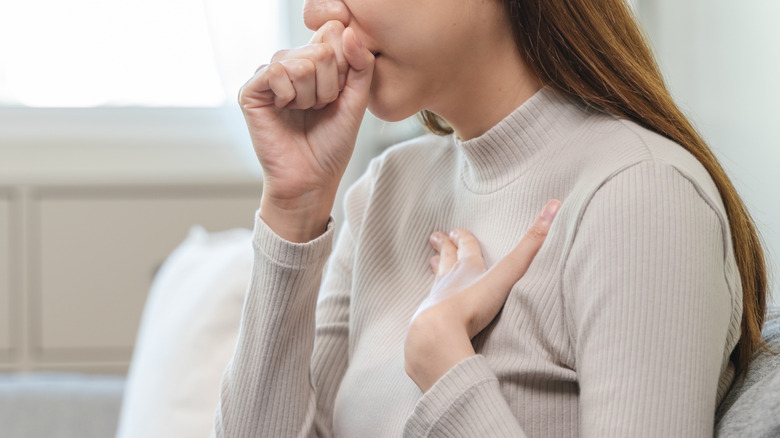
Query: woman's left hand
x=465 y=298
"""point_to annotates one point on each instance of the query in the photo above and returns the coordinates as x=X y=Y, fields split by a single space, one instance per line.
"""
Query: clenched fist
x=303 y=111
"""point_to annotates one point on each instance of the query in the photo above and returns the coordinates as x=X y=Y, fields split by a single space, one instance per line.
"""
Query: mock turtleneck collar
x=499 y=156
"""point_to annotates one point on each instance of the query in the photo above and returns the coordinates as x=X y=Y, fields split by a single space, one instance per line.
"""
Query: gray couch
x=70 y=406
x=56 y=405
x=752 y=406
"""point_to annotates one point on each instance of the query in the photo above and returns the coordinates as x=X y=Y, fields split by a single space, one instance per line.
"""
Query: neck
x=492 y=93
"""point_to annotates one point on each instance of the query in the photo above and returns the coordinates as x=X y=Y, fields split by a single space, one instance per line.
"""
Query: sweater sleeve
x=291 y=352
x=649 y=306
x=464 y=403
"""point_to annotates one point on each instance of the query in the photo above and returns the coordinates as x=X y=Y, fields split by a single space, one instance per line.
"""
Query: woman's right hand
x=303 y=111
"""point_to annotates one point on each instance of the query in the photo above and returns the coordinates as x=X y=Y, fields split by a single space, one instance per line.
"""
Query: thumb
x=513 y=266
x=361 y=69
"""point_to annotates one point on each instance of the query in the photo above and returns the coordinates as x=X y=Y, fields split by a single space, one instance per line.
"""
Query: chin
x=387 y=116
x=388 y=110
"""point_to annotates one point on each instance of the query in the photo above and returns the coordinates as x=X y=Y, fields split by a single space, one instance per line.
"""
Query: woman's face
x=431 y=54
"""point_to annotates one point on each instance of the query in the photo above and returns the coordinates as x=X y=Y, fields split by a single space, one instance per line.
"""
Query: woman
x=645 y=300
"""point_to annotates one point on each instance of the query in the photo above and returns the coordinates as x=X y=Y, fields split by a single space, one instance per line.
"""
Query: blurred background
x=119 y=132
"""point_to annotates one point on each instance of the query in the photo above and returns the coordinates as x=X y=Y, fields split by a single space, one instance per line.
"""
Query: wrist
x=297 y=220
x=433 y=347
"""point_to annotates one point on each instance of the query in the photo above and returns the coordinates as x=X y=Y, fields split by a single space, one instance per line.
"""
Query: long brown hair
x=594 y=51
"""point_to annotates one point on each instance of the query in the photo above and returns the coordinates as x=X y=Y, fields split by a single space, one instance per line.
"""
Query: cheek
x=395 y=94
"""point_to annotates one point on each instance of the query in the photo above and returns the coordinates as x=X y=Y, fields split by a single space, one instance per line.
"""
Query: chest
x=527 y=345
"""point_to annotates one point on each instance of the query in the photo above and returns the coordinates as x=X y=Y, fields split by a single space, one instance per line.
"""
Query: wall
x=721 y=62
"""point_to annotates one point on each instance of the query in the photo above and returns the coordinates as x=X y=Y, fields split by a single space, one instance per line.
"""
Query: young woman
x=645 y=300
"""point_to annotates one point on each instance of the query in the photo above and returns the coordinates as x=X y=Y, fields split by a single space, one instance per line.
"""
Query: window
x=148 y=53
x=92 y=86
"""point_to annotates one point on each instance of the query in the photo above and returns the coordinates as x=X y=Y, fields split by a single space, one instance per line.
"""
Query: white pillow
x=186 y=338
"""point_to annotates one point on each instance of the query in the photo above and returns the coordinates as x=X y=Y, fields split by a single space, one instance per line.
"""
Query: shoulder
x=626 y=174
x=617 y=154
x=646 y=224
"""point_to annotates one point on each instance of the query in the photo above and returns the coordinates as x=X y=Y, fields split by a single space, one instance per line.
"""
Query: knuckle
x=285 y=97
x=294 y=68
x=241 y=98
x=243 y=94
x=301 y=69
x=323 y=52
x=333 y=26
x=468 y=238
x=273 y=69
x=537 y=233
x=464 y=237
x=447 y=248
x=329 y=96
x=304 y=101
x=280 y=55
x=469 y=259
x=328 y=31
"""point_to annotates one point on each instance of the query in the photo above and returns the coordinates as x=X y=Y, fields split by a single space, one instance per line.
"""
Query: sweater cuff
x=465 y=401
x=288 y=254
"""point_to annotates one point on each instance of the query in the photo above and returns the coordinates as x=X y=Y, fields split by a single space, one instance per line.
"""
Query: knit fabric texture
x=622 y=326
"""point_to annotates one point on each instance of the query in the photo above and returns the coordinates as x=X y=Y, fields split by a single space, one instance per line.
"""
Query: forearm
x=267 y=388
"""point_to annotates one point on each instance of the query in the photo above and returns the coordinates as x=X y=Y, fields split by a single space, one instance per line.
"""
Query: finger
x=302 y=75
x=435 y=264
x=468 y=247
x=282 y=87
x=269 y=86
x=281 y=55
x=448 y=252
x=327 y=82
x=323 y=55
x=361 y=71
x=332 y=33
x=511 y=268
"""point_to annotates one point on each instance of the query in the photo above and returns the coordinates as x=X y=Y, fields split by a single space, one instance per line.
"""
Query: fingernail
x=454 y=234
x=435 y=238
x=550 y=210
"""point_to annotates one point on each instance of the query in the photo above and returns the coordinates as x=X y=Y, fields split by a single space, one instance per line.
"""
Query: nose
x=318 y=12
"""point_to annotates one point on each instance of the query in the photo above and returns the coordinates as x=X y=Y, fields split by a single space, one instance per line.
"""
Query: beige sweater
x=622 y=326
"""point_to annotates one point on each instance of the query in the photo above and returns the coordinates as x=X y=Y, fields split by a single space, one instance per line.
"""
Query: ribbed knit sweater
x=622 y=326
